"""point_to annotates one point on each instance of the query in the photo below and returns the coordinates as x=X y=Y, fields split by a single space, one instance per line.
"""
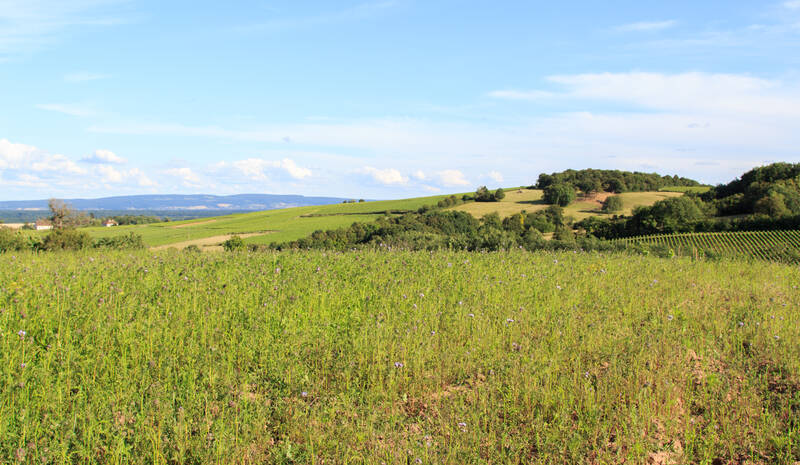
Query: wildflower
x=670 y=317
x=741 y=323
x=304 y=394
x=433 y=333
x=277 y=270
x=415 y=305
x=558 y=287
x=418 y=460
x=23 y=365
x=460 y=302
x=586 y=375
x=398 y=364
x=21 y=333
x=471 y=315
x=462 y=426
x=509 y=320
x=421 y=294
x=777 y=337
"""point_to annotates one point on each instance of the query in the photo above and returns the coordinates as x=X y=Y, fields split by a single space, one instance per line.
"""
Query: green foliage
x=612 y=204
x=591 y=180
x=11 y=240
x=66 y=239
x=192 y=249
x=499 y=194
x=128 y=241
x=561 y=194
x=233 y=244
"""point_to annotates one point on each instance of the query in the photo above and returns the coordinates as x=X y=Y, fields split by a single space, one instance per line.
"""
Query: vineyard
x=781 y=246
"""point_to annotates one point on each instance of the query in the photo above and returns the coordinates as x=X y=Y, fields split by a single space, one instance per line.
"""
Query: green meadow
x=397 y=357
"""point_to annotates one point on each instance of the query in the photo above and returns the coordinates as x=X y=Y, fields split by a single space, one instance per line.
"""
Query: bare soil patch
x=213 y=243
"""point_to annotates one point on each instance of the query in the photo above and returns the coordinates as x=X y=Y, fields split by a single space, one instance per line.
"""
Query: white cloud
x=56 y=163
x=294 y=171
x=13 y=155
x=67 y=109
x=185 y=174
x=109 y=174
x=452 y=178
x=84 y=76
x=419 y=175
x=101 y=156
x=792 y=4
x=386 y=176
x=646 y=26
x=32 y=24
x=257 y=168
x=495 y=176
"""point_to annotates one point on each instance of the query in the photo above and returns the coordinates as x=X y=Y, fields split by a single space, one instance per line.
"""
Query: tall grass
x=396 y=357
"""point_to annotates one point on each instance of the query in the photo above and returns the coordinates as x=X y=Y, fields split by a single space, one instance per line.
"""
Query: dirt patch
x=211 y=244
x=196 y=223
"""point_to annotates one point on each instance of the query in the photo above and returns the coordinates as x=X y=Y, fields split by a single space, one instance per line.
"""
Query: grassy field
x=762 y=245
x=378 y=357
x=686 y=189
x=530 y=200
x=261 y=227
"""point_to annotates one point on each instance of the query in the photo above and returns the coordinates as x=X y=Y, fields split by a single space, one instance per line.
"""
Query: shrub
x=129 y=241
x=499 y=194
x=612 y=204
x=233 y=244
x=191 y=249
x=66 y=239
x=11 y=240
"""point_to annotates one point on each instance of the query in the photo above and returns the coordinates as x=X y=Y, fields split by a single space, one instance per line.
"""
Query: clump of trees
x=233 y=244
x=483 y=194
x=591 y=180
x=612 y=204
x=561 y=194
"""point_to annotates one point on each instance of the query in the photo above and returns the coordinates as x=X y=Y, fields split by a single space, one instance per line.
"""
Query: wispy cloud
x=85 y=76
x=29 y=24
x=647 y=26
x=355 y=13
x=792 y=4
x=67 y=109
x=104 y=157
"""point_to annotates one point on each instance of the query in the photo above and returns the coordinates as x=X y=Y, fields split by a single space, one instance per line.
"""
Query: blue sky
x=387 y=98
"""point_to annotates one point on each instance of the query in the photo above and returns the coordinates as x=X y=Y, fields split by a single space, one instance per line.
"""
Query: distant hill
x=240 y=202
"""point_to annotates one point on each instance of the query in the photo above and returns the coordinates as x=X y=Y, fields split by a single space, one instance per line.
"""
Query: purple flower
x=21 y=333
x=304 y=394
x=509 y=320
x=471 y=315
x=398 y=364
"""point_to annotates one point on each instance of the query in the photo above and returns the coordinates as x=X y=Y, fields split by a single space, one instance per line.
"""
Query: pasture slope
x=294 y=223
x=397 y=357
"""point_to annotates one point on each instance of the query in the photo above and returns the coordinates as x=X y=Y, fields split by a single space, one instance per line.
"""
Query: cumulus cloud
x=419 y=175
x=495 y=176
x=452 y=178
x=109 y=175
x=185 y=174
x=104 y=157
x=387 y=176
x=258 y=168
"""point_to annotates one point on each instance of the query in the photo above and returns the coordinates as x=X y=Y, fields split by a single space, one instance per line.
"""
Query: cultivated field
x=530 y=200
x=401 y=357
x=763 y=245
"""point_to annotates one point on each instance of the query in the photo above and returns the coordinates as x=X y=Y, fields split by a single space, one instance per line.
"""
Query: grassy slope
x=369 y=357
x=517 y=200
x=282 y=225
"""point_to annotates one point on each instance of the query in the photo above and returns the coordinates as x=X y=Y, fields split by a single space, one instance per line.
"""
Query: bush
x=66 y=239
x=499 y=194
x=612 y=204
x=11 y=240
x=191 y=249
x=559 y=194
x=233 y=244
x=129 y=241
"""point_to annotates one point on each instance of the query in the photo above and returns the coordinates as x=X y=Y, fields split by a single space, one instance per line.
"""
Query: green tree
x=559 y=194
x=612 y=204
x=484 y=195
x=499 y=194
x=772 y=205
